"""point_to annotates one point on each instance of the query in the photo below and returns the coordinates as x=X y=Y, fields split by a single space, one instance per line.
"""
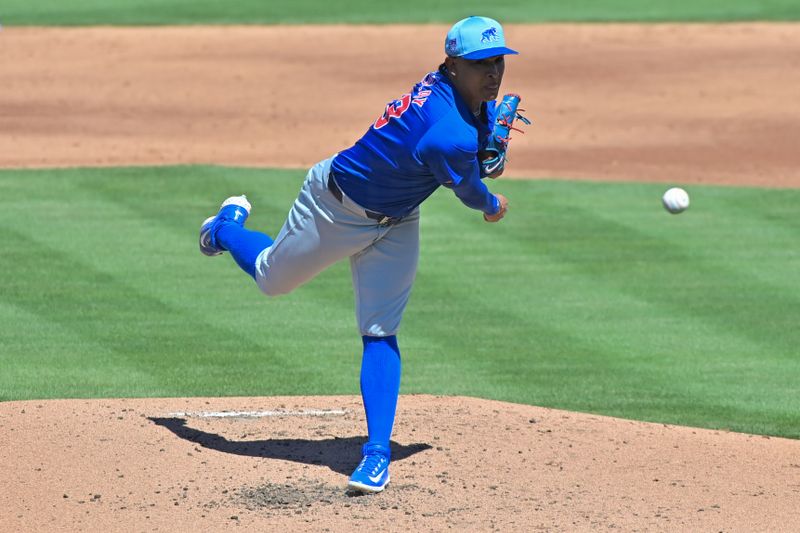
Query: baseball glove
x=493 y=159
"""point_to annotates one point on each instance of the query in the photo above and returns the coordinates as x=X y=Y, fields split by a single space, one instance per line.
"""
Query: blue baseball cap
x=476 y=38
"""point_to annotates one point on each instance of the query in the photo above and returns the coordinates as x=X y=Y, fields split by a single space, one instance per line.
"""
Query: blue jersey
x=426 y=138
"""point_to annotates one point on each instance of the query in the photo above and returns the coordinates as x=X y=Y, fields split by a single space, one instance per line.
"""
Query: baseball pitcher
x=363 y=204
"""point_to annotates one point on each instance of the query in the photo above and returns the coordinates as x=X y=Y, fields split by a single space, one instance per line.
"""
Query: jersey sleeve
x=454 y=163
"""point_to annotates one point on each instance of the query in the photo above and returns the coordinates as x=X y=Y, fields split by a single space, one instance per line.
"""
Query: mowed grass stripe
x=154 y=12
x=690 y=263
x=271 y=327
x=607 y=298
x=125 y=280
x=122 y=329
x=57 y=358
x=588 y=296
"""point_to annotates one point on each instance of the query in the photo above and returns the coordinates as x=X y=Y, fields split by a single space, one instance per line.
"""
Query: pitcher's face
x=478 y=80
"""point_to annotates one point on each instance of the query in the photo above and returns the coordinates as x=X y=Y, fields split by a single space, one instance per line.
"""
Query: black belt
x=383 y=220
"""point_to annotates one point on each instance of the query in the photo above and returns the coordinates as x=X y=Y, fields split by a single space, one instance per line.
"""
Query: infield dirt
x=460 y=464
x=677 y=104
x=671 y=103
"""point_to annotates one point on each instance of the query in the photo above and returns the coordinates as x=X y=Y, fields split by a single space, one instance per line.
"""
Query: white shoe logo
x=376 y=478
x=236 y=215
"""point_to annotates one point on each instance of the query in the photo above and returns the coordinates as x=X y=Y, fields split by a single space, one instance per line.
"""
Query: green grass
x=146 y=12
x=587 y=297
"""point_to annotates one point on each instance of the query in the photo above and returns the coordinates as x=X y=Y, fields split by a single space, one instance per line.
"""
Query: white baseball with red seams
x=675 y=200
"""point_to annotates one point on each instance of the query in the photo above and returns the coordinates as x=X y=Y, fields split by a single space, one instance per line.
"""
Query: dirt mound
x=271 y=464
x=674 y=103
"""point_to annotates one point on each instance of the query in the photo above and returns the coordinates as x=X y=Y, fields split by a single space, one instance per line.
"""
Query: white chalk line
x=257 y=414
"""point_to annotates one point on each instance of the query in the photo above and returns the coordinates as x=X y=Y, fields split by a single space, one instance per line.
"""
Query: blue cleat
x=234 y=210
x=372 y=474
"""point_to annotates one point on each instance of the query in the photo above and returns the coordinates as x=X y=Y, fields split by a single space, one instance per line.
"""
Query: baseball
x=675 y=200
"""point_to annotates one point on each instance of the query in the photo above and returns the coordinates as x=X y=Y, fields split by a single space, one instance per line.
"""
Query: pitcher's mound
x=204 y=464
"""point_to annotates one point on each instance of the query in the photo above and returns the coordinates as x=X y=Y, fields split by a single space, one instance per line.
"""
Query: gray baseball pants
x=321 y=230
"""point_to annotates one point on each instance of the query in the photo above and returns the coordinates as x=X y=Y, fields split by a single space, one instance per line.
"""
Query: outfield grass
x=146 y=12
x=587 y=297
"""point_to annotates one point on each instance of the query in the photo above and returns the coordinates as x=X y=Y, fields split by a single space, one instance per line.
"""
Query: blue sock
x=380 y=386
x=243 y=244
